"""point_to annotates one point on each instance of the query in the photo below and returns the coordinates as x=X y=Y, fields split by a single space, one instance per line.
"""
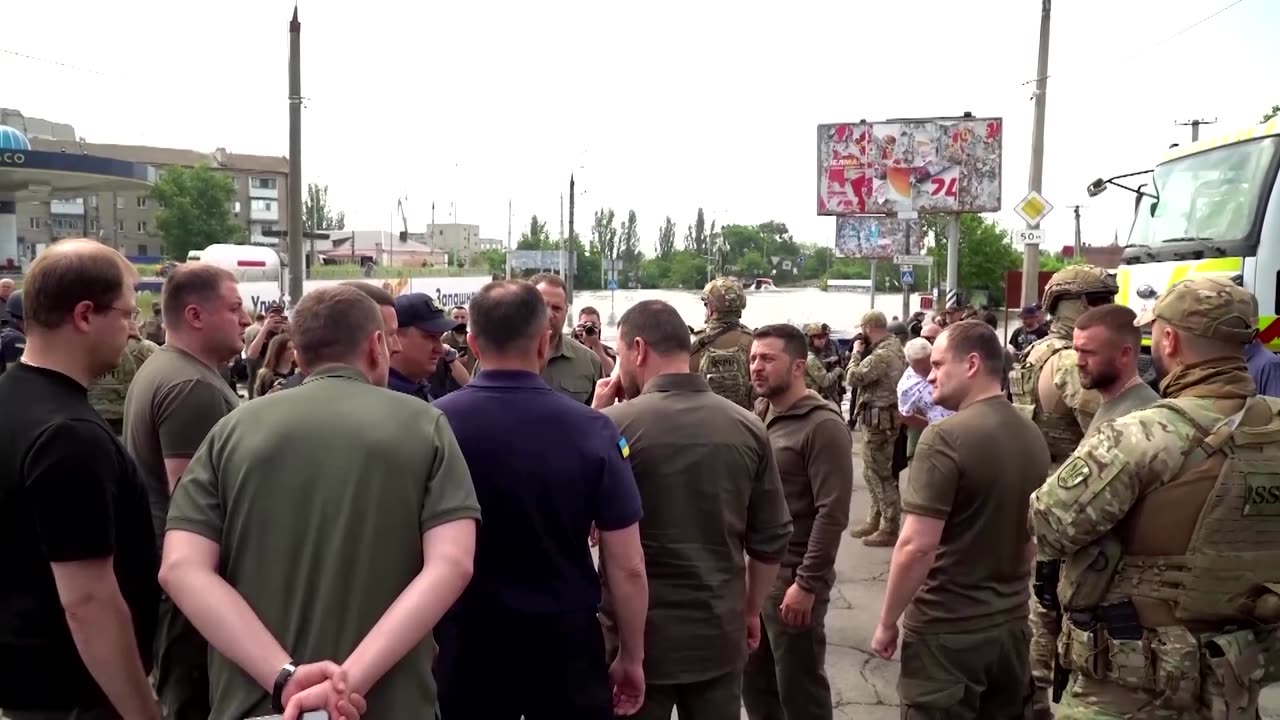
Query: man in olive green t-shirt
x=961 y=570
x=175 y=398
x=295 y=529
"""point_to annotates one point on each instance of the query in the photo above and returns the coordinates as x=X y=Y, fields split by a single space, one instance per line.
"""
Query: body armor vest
x=1062 y=432
x=1223 y=507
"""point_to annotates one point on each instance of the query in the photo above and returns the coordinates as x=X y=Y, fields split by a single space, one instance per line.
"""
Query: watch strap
x=282 y=679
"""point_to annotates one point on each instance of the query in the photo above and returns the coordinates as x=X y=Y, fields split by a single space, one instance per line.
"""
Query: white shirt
x=915 y=397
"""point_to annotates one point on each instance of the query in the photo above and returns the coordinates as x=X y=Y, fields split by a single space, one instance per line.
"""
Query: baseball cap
x=1029 y=311
x=419 y=310
x=875 y=319
x=1209 y=307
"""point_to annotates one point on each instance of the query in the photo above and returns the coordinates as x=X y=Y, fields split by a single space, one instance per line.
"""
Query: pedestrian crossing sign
x=623 y=448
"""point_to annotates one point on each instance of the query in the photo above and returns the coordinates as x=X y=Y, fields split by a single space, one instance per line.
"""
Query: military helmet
x=875 y=319
x=1078 y=281
x=724 y=295
x=899 y=328
x=815 y=329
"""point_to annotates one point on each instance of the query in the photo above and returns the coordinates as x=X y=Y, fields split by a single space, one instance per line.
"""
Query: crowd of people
x=401 y=522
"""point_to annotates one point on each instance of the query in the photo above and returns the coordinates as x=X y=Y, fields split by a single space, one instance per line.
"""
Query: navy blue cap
x=14 y=305
x=1029 y=311
x=419 y=310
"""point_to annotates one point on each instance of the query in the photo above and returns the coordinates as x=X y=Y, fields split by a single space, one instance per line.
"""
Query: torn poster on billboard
x=930 y=166
x=874 y=236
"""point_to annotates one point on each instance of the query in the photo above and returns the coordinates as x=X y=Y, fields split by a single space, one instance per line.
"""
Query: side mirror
x=1096 y=187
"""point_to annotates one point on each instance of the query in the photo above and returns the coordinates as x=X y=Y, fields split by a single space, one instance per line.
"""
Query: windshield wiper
x=1206 y=243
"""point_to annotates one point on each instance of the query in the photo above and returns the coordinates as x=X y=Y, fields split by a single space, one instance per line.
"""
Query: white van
x=249 y=263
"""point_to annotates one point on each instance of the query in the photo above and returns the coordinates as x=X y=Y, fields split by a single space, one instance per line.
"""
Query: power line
x=33 y=58
x=1158 y=43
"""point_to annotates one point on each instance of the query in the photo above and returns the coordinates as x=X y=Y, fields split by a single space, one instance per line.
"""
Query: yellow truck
x=1208 y=208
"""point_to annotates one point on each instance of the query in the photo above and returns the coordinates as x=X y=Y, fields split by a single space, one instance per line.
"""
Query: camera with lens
x=585 y=330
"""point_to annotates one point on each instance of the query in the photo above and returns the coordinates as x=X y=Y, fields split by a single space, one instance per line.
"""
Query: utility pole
x=509 y=248
x=297 y=270
x=1031 y=251
x=1195 y=126
x=1079 y=254
x=568 y=249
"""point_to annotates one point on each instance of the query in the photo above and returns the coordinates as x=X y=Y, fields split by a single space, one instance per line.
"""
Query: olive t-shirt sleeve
x=450 y=494
x=768 y=517
x=185 y=413
x=70 y=472
x=196 y=504
x=619 y=497
x=931 y=484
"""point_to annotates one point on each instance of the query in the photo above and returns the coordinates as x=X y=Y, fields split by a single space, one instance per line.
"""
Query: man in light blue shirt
x=1264 y=368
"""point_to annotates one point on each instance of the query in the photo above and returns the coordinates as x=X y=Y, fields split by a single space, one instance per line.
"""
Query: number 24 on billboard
x=943 y=186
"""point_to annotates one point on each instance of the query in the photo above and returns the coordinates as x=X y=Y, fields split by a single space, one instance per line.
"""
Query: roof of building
x=219 y=158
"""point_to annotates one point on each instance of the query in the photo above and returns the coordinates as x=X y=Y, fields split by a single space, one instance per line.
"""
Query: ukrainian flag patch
x=623 y=448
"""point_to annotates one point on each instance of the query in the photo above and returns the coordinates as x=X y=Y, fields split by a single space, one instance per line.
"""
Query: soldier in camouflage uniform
x=721 y=349
x=1045 y=386
x=108 y=392
x=876 y=379
x=1167 y=522
x=820 y=374
x=153 y=327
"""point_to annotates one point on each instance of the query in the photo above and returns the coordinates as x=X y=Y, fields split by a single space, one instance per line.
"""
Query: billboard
x=879 y=237
x=539 y=260
x=928 y=165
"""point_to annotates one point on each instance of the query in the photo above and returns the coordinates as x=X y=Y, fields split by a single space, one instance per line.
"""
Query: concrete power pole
x=1195 y=126
x=1079 y=255
x=297 y=268
x=567 y=268
x=1031 y=253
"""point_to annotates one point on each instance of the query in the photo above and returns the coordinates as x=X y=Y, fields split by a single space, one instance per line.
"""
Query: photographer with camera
x=587 y=332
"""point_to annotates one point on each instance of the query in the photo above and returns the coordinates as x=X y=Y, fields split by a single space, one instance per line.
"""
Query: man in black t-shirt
x=79 y=595
x=1030 y=331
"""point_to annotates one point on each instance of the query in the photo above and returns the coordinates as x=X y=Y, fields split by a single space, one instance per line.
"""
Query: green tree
x=986 y=252
x=604 y=234
x=667 y=238
x=629 y=243
x=195 y=210
x=696 y=238
x=316 y=214
x=536 y=237
x=1274 y=111
x=493 y=262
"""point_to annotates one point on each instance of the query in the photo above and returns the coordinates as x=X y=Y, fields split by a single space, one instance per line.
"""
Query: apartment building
x=459 y=240
x=126 y=221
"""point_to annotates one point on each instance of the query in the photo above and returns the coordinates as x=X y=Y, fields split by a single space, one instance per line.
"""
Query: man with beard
x=961 y=568
x=705 y=502
x=1107 y=345
x=1167 y=526
x=1045 y=385
x=786 y=675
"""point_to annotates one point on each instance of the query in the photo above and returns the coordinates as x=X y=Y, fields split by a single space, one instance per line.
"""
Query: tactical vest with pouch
x=1061 y=432
x=1191 y=606
x=726 y=371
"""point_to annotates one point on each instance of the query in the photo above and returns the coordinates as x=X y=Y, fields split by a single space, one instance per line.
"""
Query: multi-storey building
x=459 y=240
x=126 y=221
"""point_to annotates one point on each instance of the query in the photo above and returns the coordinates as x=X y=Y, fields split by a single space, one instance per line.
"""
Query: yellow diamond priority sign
x=1033 y=208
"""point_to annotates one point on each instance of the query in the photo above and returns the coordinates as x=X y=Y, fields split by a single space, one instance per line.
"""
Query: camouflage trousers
x=1091 y=699
x=877 y=473
x=1045 y=626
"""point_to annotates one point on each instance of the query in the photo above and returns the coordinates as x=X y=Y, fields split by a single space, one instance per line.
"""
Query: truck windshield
x=1212 y=195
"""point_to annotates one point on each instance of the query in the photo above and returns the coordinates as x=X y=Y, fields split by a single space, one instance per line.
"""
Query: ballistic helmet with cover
x=815 y=329
x=1078 y=281
x=899 y=328
x=724 y=296
x=1209 y=307
x=874 y=319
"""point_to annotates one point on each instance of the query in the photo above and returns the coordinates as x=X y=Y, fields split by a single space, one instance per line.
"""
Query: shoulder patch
x=1073 y=473
x=623 y=448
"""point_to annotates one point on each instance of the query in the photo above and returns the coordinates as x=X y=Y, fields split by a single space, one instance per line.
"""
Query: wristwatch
x=277 y=692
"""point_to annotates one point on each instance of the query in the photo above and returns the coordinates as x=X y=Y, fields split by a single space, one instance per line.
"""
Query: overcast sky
x=658 y=106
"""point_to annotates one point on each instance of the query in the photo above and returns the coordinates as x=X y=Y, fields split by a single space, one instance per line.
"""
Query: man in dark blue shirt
x=524 y=638
x=421 y=322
